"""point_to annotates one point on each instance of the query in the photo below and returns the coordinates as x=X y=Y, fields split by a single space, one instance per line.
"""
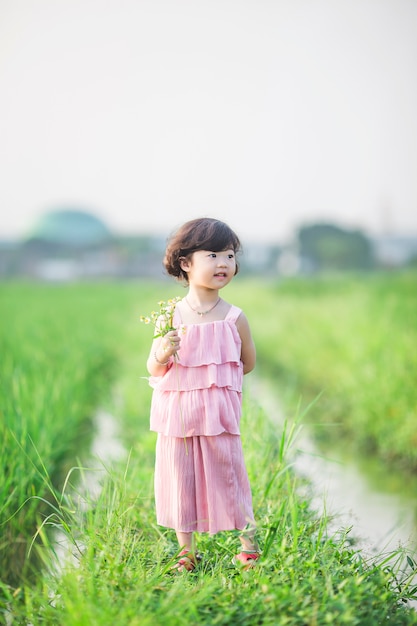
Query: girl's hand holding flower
x=166 y=340
x=170 y=343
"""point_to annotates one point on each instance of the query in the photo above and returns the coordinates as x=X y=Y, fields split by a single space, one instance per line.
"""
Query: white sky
x=264 y=113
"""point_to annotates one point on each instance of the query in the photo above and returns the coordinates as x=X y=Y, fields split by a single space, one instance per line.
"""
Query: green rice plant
x=54 y=368
x=352 y=340
x=305 y=576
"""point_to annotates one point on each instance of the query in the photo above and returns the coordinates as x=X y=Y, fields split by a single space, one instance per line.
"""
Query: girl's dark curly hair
x=203 y=233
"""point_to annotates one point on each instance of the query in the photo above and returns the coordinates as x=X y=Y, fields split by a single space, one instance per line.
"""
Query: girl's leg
x=250 y=549
x=186 y=541
x=187 y=560
x=248 y=540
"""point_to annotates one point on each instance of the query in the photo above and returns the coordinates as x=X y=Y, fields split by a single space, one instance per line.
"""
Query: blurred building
x=71 y=244
x=393 y=251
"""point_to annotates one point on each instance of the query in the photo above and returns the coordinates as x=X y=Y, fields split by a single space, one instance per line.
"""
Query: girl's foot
x=246 y=559
x=186 y=562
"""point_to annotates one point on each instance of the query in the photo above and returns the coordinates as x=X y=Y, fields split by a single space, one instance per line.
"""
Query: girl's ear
x=184 y=263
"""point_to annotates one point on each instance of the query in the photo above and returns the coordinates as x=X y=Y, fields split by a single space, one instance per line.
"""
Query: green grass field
x=67 y=350
x=351 y=340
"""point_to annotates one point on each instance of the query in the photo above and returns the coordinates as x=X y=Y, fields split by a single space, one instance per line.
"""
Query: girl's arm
x=248 y=353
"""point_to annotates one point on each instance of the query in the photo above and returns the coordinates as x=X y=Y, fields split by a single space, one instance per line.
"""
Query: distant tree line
x=329 y=247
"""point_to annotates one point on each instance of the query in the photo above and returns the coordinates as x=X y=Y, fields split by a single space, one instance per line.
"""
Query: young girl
x=201 y=483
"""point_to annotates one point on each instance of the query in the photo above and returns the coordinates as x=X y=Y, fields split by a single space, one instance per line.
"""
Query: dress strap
x=233 y=313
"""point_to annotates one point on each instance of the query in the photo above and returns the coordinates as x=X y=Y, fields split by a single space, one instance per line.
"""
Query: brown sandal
x=186 y=562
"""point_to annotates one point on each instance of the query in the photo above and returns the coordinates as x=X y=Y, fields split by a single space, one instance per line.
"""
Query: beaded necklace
x=201 y=313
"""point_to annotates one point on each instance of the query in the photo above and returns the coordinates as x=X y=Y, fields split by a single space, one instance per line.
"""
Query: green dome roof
x=70 y=227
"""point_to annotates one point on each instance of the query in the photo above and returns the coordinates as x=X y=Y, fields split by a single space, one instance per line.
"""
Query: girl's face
x=212 y=270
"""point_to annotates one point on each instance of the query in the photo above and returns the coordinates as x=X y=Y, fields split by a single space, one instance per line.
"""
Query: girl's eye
x=231 y=256
x=213 y=255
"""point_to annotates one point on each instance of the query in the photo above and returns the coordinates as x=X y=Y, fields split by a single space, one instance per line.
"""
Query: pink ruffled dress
x=201 y=482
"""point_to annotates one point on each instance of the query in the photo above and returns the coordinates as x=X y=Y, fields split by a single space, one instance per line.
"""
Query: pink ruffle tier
x=200 y=394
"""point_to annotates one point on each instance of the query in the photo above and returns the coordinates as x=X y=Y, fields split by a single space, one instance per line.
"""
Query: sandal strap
x=186 y=559
x=188 y=555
